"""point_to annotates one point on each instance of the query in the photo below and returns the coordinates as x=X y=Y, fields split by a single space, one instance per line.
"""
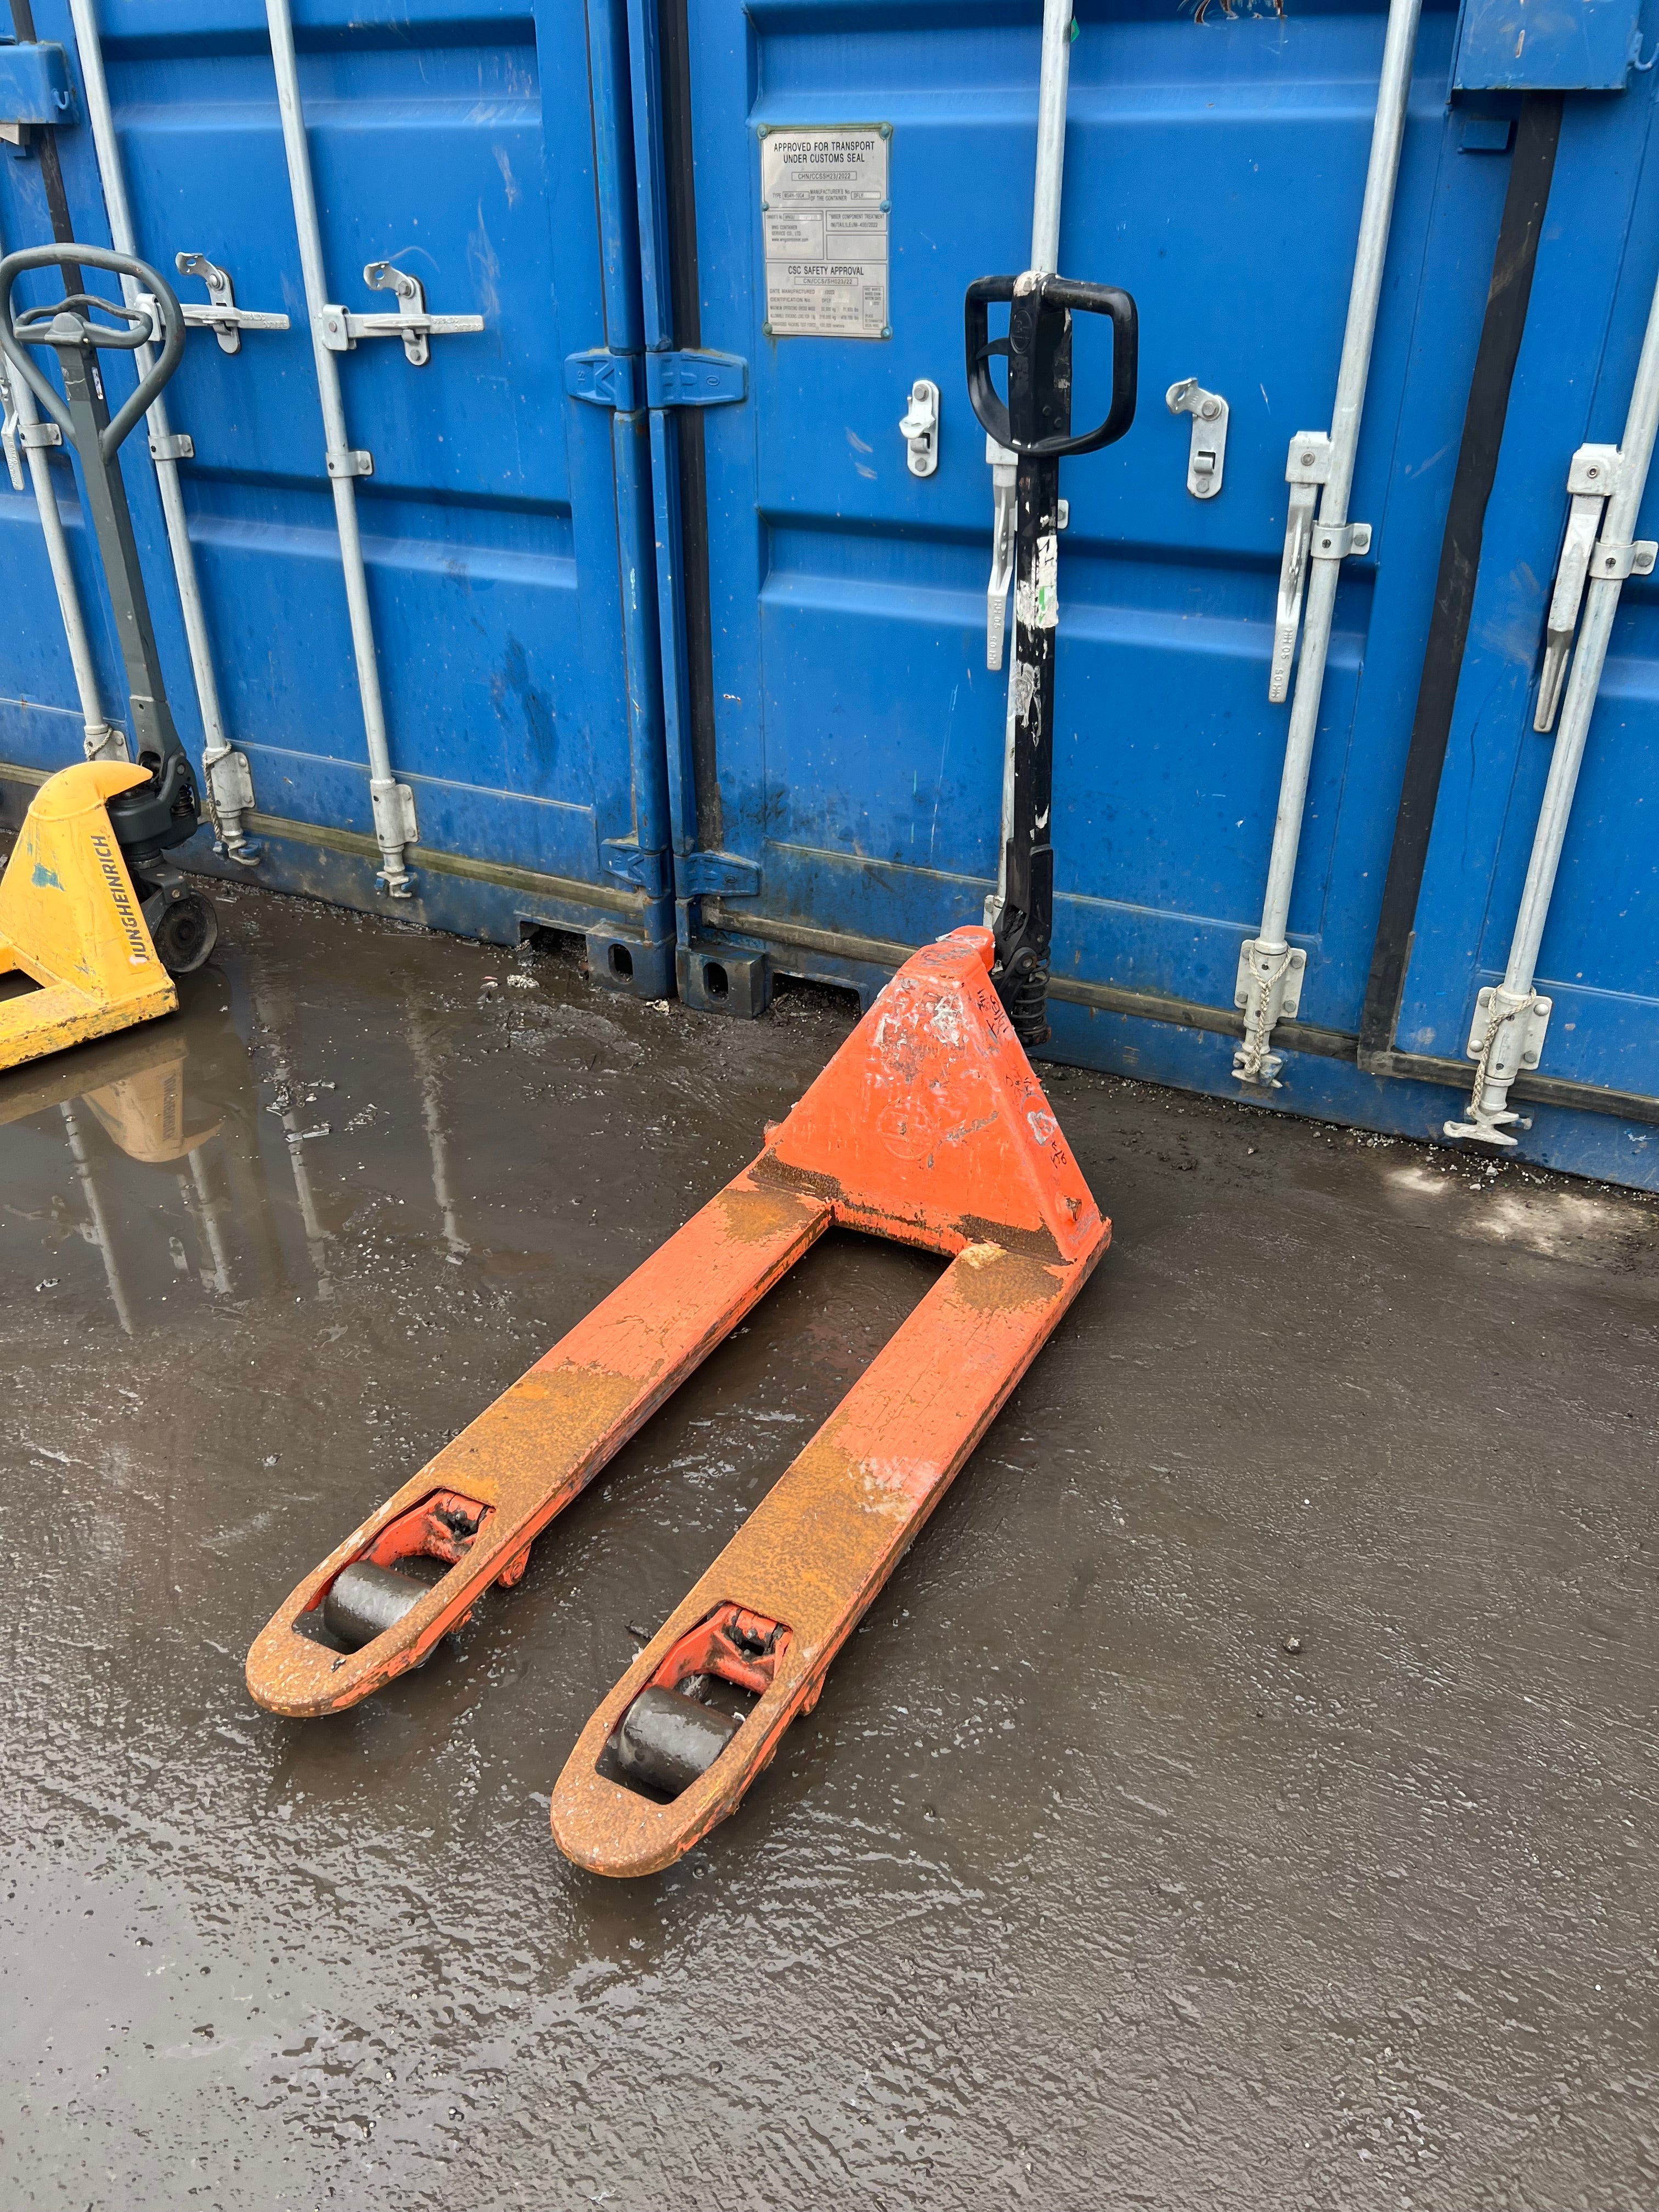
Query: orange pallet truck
x=928 y=1127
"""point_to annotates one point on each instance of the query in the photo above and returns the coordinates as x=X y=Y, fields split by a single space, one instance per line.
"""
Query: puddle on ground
x=1239 y=1795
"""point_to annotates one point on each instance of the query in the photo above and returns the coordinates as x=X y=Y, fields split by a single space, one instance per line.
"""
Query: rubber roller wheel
x=666 y=1741
x=364 y=1601
x=185 y=933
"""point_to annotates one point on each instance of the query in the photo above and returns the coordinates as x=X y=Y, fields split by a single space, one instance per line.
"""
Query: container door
x=1597 y=263
x=848 y=749
x=457 y=142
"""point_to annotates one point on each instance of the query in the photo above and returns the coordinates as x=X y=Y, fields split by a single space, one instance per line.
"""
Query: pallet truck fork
x=91 y=910
x=928 y=1127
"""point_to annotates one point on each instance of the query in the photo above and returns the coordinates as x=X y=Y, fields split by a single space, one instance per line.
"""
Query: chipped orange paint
x=928 y=1127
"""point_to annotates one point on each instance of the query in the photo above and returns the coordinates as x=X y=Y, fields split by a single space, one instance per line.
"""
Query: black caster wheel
x=186 y=932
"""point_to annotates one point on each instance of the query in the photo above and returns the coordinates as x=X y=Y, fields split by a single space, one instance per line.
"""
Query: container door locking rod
x=23 y=430
x=928 y=1127
x=1268 y=988
x=26 y=440
x=226 y=775
x=1599 y=551
x=1033 y=428
x=335 y=331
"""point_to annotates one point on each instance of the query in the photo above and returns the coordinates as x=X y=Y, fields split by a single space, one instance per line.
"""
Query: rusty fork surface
x=544 y=1439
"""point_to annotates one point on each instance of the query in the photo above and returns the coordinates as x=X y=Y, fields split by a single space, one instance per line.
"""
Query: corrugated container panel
x=677 y=652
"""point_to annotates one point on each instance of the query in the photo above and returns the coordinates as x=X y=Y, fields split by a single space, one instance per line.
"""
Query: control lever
x=1033 y=428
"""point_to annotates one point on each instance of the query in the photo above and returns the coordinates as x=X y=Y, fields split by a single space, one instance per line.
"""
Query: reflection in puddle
x=96 y=1228
x=291 y=1104
x=420 y=1041
x=201 y=1163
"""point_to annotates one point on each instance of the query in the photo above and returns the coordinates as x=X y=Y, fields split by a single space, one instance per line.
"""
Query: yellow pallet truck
x=91 y=911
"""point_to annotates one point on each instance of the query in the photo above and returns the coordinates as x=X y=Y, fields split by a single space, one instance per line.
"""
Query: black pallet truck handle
x=1052 y=292
x=35 y=327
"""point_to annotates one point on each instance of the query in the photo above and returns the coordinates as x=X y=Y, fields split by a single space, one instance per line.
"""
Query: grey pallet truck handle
x=1082 y=298
x=15 y=343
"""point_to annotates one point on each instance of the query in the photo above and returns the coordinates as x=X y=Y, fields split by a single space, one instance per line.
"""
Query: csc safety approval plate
x=824 y=206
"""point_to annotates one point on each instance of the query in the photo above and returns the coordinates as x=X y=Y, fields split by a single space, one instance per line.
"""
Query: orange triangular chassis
x=928 y=1127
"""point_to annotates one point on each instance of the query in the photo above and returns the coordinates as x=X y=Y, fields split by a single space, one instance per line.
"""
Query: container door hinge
x=694 y=380
x=604 y=379
x=647 y=872
x=715 y=875
x=35 y=89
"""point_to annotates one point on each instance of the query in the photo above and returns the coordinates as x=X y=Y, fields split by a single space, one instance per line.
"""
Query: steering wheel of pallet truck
x=1052 y=292
x=66 y=323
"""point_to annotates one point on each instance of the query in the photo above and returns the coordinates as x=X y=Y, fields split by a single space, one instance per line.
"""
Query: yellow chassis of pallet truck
x=70 y=920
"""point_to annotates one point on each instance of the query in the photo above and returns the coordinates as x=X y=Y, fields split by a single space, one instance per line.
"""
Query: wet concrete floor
x=1242 y=1795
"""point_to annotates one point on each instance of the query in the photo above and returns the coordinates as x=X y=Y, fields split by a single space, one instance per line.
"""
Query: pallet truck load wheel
x=186 y=933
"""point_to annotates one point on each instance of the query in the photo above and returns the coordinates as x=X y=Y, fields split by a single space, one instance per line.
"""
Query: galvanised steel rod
x=102 y=741
x=1052 y=88
x=230 y=786
x=393 y=803
x=1618 y=526
x=1514 y=1000
x=1268 y=957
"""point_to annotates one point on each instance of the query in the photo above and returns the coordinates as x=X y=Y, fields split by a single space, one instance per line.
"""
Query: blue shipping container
x=678 y=651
